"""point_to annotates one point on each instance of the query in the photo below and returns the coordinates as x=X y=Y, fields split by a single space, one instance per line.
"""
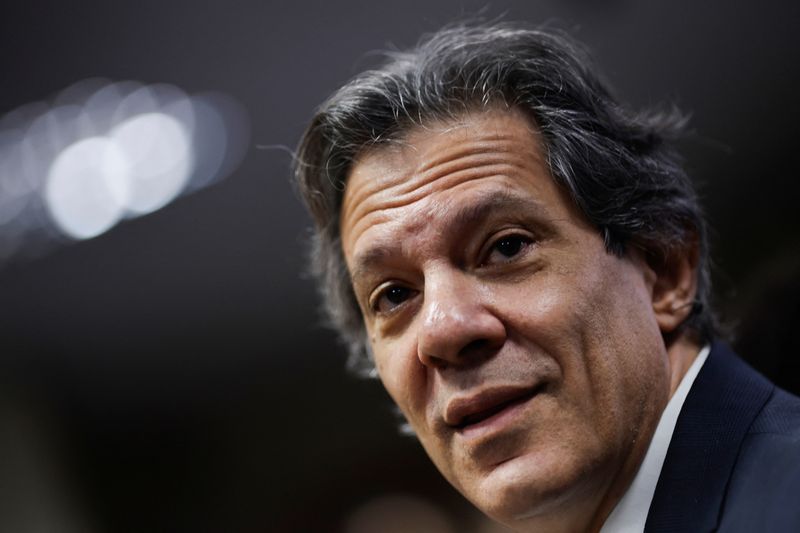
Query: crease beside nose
x=457 y=328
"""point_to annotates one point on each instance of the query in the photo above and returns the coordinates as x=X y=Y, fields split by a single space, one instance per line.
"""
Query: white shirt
x=630 y=514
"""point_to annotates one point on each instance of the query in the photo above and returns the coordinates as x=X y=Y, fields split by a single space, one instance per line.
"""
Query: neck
x=681 y=353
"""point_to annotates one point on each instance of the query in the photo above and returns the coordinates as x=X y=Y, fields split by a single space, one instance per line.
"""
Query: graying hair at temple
x=619 y=167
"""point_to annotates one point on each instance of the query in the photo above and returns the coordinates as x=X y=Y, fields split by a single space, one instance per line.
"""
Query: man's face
x=526 y=358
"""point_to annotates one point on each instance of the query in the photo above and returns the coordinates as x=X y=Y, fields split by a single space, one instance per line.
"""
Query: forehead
x=481 y=152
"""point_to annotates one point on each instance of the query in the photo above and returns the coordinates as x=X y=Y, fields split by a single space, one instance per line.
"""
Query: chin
x=529 y=487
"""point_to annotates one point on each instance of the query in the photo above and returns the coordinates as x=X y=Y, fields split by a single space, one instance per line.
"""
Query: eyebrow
x=471 y=215
x=475 y=213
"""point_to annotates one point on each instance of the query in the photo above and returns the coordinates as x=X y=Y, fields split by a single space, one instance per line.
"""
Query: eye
x=506 y=248
x=390 y=297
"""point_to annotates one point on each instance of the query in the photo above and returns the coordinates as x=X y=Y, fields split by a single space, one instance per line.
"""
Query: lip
x=488 y=410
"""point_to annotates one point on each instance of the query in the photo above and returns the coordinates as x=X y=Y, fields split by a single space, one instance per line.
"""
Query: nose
x=458 y=325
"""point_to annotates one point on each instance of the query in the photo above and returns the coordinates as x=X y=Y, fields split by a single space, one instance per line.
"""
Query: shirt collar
x=630 y=514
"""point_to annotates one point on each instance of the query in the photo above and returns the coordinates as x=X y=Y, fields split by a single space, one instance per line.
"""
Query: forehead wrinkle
x=455 y=220
x=497 y=143
x=397 y=183
x=486 y=160
x=469 y=164
x=431 y=161
x=484 y=149
x=383 y=247
x=371 y=213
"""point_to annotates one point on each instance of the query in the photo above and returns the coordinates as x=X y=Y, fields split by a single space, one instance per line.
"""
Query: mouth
x=484 y=409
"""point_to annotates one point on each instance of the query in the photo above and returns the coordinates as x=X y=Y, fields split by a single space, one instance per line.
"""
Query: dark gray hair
x=619 y=167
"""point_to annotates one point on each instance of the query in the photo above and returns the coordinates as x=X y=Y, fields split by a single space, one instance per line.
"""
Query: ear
x=675 y=285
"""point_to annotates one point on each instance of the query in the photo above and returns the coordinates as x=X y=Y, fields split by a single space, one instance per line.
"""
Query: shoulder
x=764 y=488
x=780 y=416
x=733 y=464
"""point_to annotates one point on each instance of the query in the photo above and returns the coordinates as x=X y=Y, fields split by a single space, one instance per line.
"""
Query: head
x=515 y=254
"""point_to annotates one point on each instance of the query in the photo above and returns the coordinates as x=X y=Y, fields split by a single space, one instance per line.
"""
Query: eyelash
x=521 y=240
x=383 y=293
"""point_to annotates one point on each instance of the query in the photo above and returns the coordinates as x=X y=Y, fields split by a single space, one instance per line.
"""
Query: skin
x=480 y=281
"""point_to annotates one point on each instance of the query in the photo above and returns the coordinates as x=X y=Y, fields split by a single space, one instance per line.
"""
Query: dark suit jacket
x=733 y=464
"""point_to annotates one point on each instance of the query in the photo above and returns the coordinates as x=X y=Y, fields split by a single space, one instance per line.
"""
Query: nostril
x=474 y=346
x=474 y=352
x=477 y=349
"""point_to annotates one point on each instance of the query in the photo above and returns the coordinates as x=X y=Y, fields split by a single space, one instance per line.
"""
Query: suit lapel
x=725 y=398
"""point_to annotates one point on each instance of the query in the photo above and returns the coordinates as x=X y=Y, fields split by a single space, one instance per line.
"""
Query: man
x=524 y=264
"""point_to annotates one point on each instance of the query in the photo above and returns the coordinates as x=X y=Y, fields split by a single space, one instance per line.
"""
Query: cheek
x=545 y=312
x=403 y=377
x=601 y=302
x=622 y=370
x=597 y=325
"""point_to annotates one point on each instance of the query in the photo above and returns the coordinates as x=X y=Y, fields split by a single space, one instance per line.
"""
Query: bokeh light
x=86 y=187
x=159 y=159
x=100 y=152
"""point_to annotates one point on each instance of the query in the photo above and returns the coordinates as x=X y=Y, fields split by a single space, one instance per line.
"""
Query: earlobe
x=675 y=286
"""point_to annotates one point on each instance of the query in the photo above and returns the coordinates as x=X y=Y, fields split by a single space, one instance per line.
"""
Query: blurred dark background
x=171 y=374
